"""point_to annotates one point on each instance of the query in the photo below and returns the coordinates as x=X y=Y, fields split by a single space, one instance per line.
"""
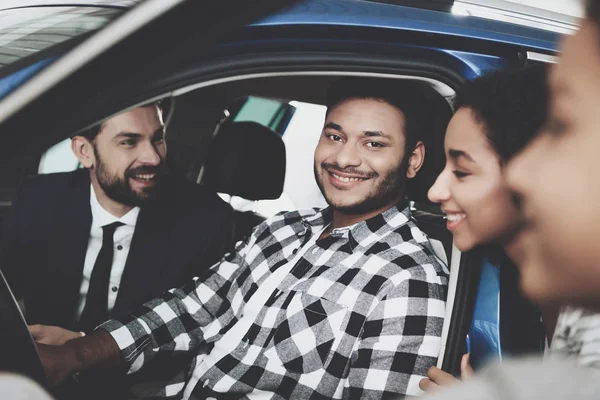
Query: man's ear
x=84 y=151
x=415 y=162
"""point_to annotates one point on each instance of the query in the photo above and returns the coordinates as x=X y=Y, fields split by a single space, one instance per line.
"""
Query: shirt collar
x=362 y=232
x=101 y=217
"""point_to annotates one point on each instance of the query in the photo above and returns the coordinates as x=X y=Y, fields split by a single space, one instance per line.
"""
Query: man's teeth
x=345 y=179
x=455 y=217
x=144 y=177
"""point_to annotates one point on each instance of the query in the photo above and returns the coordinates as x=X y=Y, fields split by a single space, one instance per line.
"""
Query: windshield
x=26 y=31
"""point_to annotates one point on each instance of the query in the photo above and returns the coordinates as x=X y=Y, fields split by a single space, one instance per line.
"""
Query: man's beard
x=391 y=187
x=119 y=189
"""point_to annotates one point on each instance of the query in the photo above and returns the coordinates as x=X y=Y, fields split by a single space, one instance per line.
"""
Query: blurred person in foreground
x=555 y=246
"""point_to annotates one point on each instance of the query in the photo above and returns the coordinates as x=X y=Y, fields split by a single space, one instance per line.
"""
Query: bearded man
x=81 y=247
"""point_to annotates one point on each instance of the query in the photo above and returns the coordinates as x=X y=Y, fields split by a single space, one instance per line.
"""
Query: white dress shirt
x=122 y=242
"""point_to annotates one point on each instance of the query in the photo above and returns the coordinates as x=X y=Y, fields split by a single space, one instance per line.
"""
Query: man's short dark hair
x=412 y=98
x=93 y=131
x=511 y=104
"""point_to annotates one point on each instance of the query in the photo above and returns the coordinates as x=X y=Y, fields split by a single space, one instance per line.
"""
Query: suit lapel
x=70 y=246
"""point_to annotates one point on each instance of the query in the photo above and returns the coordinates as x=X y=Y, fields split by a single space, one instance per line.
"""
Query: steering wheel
x=18 y=352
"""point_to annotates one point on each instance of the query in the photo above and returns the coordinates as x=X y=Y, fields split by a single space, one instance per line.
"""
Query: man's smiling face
x=129 y=154
x=359 y=158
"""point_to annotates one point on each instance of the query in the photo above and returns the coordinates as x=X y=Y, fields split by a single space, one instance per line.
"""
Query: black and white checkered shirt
x=359 y=316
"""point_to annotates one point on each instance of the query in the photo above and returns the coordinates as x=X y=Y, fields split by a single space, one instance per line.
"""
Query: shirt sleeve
x=400 y=339
x=184 y=319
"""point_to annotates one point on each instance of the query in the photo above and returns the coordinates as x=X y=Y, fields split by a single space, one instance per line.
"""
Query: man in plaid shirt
x=353 y=294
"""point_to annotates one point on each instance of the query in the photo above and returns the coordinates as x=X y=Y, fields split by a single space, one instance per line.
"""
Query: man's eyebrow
x=377 y=134
x=456 y=154
x=129 y=135
x=334 y=126
x=132 y=135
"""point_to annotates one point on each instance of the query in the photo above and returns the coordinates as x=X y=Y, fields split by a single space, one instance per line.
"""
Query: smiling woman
x=496 y=117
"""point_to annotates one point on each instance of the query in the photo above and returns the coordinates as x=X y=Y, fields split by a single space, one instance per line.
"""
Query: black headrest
x=246 y=159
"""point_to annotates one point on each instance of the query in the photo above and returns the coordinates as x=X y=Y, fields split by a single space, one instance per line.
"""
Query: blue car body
x=328 y=22
x=381 y=19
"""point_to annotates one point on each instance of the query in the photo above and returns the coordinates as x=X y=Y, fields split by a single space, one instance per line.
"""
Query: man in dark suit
x=84 y=246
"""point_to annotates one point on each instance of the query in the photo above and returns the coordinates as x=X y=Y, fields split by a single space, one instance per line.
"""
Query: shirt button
x=119 y=247
x=114 y=288
x=315 y=250
x=295 y=251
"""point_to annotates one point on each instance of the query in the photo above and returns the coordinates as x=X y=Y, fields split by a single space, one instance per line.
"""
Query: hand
x=59 y=362
x=52 y=335
x=96 y=350
x=436 y=377
x=466 y=371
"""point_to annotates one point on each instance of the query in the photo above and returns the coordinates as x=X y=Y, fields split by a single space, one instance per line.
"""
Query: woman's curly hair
x=592 y=11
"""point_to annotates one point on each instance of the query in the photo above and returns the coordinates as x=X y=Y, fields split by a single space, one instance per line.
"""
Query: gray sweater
x=15 y=387
x=526 y=379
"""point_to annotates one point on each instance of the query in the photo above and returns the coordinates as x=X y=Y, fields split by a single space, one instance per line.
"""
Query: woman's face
x=558 y=181
x=471 y=189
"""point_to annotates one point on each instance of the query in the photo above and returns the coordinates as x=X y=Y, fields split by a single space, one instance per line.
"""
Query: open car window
x=300 y=133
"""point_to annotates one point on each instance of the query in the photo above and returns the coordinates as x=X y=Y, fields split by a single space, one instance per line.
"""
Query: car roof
x=10 y=4
x=375 y=15
x=366 y=13
x=31 y=34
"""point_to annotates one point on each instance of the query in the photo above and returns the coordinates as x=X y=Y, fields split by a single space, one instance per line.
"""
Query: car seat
x=248 y=160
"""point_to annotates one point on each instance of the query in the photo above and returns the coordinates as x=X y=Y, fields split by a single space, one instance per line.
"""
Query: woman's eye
x=460 y=174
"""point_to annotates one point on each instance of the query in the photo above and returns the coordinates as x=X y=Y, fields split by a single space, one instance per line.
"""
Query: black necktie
x=96 y=301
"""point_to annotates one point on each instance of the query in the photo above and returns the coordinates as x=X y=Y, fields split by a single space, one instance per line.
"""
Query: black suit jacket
x=45 y=238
